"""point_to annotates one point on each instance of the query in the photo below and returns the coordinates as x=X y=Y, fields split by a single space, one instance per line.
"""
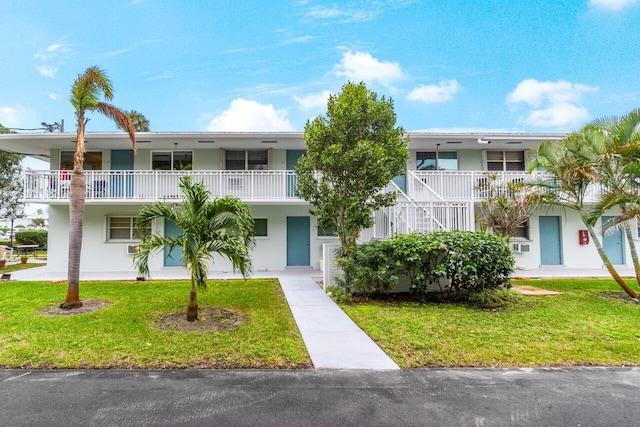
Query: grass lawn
x=125 y=334
x=580 y=327
x=19 y=266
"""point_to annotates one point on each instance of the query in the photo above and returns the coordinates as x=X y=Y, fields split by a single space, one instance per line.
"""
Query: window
x=172 y=160
x=522 y=230
x=432 y=160
x=122 y=228
x=260 y=228
x=251 y=160
x=327 y=232
x=92 y=160
x=505 y=160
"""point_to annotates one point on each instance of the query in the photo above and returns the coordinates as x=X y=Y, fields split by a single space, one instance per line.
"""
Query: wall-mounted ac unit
x=521 y=247
x=131 y=249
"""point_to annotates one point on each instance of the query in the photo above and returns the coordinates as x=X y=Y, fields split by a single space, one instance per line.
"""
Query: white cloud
x=559 y=115
x=613 y=5
x=361 y=66
x=314 y=101
x=433 y=94
x=47 y=71
x=16 y=117
x=53 y=50
x=250 y=116
x=552 y=104
x=53 y=96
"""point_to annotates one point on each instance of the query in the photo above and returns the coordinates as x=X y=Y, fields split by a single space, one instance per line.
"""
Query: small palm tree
x=140 y=122
x=85 y=98
x=223 y=226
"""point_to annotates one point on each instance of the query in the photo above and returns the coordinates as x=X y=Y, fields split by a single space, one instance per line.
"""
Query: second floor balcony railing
x=141 y=185
x=472 y=186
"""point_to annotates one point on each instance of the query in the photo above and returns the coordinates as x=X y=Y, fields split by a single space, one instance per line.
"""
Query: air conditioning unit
x=132 y=249
x=521 y=247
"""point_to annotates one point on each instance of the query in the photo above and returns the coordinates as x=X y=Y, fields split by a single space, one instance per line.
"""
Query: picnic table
x=26 y=248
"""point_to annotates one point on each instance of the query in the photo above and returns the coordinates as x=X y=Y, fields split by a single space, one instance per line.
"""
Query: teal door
x=613 y=244
x=550 y=240
x=292 y=159
x=172 y=259
x=121 y=185
x=298 y=241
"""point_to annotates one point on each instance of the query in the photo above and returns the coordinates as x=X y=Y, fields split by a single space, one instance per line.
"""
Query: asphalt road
x=434 y=397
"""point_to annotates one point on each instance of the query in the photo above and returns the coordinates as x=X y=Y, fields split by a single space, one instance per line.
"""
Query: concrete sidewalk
x=333 y=340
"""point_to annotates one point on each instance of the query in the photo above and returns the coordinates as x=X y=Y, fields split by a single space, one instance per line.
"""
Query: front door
x=173 y=258
x=613 y=244
x=121 y=185
x=550 y=241
x=298 y=241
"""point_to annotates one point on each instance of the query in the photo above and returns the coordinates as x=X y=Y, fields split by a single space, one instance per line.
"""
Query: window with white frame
x=260 y=227
x=171 y=160
x=433 y=160
x=92 y=160
x=505 y=161
x=122 y=228
x=251 y=160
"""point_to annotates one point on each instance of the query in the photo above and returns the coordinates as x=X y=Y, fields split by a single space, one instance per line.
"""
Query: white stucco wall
x=98 y=254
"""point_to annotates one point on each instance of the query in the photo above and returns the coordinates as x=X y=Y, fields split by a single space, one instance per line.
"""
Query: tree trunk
x=607 y=263
x=634 y=252
x=192 y=308
x=76 y=214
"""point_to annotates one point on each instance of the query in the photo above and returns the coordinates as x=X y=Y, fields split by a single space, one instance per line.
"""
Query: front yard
x=127 y=332
x=580 y=327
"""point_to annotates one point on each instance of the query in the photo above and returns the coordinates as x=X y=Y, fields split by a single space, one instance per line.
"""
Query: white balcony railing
x=161 y=185
x=471 y=186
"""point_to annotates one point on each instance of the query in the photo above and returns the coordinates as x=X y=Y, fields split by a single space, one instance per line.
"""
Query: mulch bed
x=209 y=319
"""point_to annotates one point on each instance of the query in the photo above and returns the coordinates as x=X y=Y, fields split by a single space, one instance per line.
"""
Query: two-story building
x=441 y=190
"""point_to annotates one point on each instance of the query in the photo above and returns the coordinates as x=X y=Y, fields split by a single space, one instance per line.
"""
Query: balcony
x=471 y=186
x=145 y=186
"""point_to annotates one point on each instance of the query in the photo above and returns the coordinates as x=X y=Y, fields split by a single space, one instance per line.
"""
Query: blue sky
x=190 y=65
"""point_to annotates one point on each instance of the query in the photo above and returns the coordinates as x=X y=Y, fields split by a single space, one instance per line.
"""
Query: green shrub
x=32 y=237
x=476 y=260
x=471 y=261
x=338 y=294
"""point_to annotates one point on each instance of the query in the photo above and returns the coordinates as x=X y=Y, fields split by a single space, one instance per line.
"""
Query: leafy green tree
x=140 y=122
x=353 y=152
x=223 y=226
x=85 y=98
x=10 y=182
x=575 y=166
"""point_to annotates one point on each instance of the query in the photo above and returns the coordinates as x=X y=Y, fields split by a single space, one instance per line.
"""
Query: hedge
x=471 y=261
x=32 y=237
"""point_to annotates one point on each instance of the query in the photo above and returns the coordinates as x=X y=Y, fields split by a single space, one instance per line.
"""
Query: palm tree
x=575 y=165
x=618 y=175
x=85 y=98
x=140 y=122
x=223 y=226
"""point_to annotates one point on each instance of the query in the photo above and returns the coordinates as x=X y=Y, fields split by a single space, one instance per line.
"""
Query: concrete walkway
x=331 y=337
x=333 y=340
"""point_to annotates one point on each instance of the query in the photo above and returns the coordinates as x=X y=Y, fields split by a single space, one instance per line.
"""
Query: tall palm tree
x=223 y=226
x=618 y=175
x=85 y=98
x=575 y=165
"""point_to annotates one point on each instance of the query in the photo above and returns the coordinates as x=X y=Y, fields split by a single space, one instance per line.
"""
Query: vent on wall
x=131 y=249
